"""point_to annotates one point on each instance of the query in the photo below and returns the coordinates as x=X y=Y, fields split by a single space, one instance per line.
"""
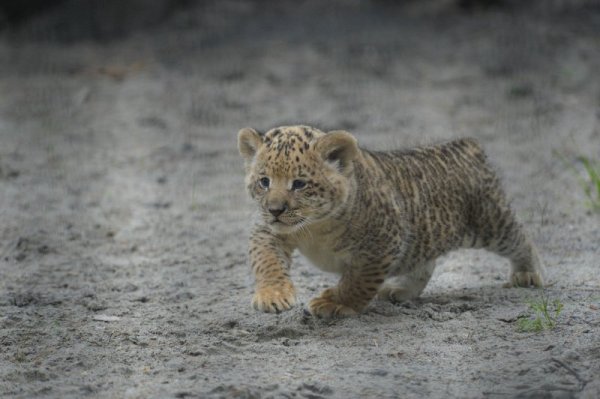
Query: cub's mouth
x=285 y=227
x=278 y=222
x=283 y=220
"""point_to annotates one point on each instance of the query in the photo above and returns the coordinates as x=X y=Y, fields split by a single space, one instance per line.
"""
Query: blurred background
x=395 y=73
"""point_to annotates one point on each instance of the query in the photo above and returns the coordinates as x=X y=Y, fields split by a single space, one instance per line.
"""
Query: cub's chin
x=283 y=228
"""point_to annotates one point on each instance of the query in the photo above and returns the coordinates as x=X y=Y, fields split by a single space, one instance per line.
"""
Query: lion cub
x=379 y=219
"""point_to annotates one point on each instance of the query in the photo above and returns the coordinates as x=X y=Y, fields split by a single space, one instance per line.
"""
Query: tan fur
x=379 y=219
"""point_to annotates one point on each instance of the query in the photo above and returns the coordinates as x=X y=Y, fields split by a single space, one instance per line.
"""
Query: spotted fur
x=379 y=219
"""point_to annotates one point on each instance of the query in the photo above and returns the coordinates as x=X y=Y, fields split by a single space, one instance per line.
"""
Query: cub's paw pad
x=274 y=299
x=325 y=307
x=525 y=279
x=394 y=294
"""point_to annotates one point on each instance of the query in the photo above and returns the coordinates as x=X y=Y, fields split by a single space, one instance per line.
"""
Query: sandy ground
x=124 y=221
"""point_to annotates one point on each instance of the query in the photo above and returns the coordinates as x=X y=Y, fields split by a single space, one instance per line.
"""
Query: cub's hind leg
x=407 y=286
x=497 y=230
x=526 y=269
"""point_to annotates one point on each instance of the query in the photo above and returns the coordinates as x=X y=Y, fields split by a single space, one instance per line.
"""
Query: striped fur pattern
x=379 y=219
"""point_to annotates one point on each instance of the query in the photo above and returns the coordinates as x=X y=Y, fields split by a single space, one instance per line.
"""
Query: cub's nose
x=277 y=211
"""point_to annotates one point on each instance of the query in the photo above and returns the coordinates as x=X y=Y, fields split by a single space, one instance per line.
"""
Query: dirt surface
x=124 y=220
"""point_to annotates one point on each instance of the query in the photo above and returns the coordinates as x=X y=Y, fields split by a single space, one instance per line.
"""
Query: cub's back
x=453 y=168
x=439 y=187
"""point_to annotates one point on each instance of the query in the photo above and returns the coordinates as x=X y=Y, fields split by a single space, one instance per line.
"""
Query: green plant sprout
x=543 y=315
x=591 y=189
x=589 y=184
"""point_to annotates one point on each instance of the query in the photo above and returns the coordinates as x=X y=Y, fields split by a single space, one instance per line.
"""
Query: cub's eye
x=264 y=182
x=298 y=184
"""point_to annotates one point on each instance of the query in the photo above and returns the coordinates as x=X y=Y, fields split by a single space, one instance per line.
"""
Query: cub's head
x=298 y=175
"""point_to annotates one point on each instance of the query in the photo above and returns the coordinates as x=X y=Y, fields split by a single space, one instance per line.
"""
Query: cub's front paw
x=326 y=305
x=274 y=299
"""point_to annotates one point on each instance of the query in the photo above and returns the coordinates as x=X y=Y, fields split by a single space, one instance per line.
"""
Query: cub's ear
x=339 y=148
x=248 y=142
